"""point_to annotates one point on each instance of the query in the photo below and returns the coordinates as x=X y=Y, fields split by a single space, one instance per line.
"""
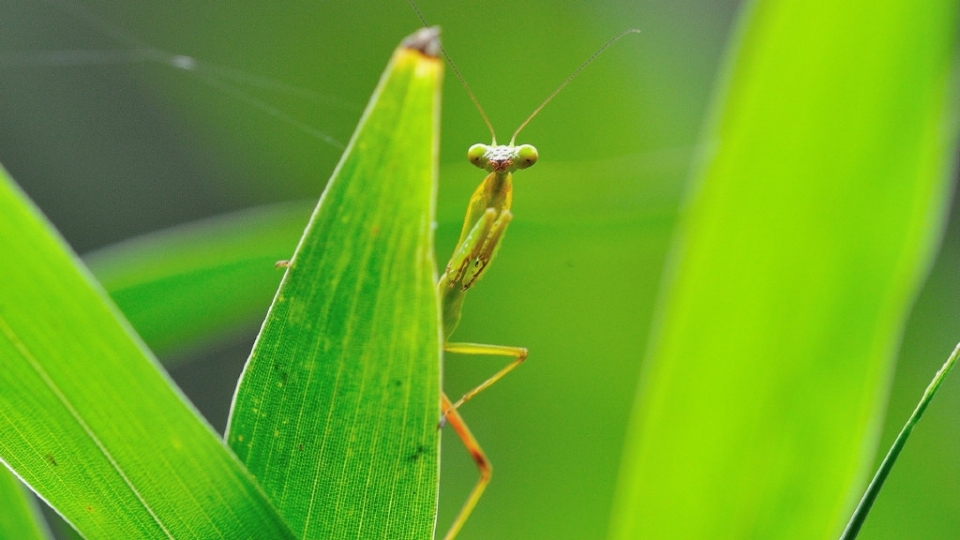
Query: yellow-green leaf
x=20 y=517
x=802 y=247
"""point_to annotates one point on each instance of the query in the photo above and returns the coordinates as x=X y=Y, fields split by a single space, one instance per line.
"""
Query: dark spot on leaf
x=282 y=372
x=283 y=461
x=417 y=453
x=398 y=383
x=300 y=447
x=51 y=460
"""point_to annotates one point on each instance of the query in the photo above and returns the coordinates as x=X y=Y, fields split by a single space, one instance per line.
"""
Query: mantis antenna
x=536 y=111
x=459 y=75
x=563 y=85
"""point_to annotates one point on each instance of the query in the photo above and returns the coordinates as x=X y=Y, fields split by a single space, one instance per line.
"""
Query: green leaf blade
x=802 y=248
x=202 y=282
x=336 y=414
x=86 y=417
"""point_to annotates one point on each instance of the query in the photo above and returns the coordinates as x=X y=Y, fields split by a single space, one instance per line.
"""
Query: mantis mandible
x=488 y=215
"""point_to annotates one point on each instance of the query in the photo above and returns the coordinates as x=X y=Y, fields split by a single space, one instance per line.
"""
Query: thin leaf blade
x=876 y=484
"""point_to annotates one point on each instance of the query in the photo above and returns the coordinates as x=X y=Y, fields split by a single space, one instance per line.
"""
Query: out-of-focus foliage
x=801 y=249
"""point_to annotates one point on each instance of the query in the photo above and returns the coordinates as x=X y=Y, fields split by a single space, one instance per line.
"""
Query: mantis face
x=502 y=158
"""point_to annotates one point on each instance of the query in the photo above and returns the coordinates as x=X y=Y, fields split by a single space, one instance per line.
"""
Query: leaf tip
x=426 y=41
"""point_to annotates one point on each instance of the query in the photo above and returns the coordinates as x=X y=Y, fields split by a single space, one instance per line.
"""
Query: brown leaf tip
x=425 y=40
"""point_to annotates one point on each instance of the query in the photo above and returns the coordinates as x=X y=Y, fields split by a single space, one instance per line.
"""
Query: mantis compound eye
x=526 y=156
x=477 y=154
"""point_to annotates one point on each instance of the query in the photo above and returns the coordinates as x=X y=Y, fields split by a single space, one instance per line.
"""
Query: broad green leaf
x=20 y=518
x=87 y=417
x=336 y=413
x=183 y=287
x=803 y=244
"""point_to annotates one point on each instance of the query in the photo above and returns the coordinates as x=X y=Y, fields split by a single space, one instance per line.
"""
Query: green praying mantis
x=487 y=217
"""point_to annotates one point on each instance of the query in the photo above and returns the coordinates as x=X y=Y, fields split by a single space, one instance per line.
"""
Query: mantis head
x=502 y=158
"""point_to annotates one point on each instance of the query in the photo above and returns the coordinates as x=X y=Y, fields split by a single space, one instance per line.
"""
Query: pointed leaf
x=337 y=410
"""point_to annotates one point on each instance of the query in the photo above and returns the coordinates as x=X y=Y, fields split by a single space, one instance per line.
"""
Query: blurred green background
x=112 y=146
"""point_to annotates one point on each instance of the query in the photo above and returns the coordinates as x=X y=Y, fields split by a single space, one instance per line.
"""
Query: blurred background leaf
x=113 y=150
x=802 y=246
x=202 y=284
x=21 y=517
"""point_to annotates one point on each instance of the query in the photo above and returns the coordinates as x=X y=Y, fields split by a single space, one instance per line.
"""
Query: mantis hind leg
x=519 y=354
x=449 y=414
x=479 y=458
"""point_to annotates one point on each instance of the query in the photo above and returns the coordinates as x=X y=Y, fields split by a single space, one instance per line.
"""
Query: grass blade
x=336 y=413
x=866 y=502
x=88 y=419
x=801 y=250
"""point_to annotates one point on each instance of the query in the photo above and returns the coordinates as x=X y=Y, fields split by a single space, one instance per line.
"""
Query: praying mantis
x=484 y=225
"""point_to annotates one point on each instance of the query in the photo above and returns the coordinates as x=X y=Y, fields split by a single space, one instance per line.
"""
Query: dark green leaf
x=87 y=417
